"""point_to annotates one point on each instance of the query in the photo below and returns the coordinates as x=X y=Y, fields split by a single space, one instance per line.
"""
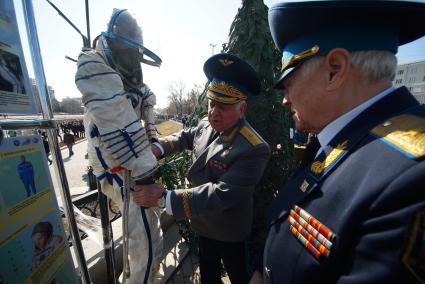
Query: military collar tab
x=228 y=135
x=324 y=163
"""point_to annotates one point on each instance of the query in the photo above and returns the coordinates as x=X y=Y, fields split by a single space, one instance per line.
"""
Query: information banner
x=33 y=244
x=16 y=95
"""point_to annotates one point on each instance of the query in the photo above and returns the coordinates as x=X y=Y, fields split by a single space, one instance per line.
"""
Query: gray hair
x=238 y=104
x=375 y=66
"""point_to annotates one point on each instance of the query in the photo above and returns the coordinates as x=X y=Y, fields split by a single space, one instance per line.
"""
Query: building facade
x=412 y=75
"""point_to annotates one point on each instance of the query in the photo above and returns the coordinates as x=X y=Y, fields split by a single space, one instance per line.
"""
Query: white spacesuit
x=116 y=99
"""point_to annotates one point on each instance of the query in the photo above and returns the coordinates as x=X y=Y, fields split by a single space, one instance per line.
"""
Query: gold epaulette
x=251 y=136
x=405 y=133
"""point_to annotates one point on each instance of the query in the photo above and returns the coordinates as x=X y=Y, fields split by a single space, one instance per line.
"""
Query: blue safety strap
x=133 y=100
x=148 y=234
x=94 y=132
x=109 y=177
x=105 y=134
x=130 y=142
x=120 y=141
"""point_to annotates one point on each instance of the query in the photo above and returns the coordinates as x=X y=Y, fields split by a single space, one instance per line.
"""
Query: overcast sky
x=181 y=32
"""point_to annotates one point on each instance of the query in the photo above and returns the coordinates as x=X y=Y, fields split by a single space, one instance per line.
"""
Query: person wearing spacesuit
x=116 y=99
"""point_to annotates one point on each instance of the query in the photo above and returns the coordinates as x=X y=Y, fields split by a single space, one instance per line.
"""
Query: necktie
x=214 y=135
x=311 y=149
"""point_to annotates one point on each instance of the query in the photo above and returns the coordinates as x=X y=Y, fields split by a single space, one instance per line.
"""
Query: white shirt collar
x=328 y=133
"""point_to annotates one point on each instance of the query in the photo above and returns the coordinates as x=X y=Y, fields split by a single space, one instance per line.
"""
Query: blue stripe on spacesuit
x=94 y=75
x=110 y=177
x=94 y=132
x=124 y=154
x=130 y=142
x=144 y=148
x=119 y=181
x=91 y=61
x=135 y=140
x=101 y=100
x=118 y=142
x=133 y=100
x=106 y=174
x=125 y=145
x=100 y=158
x=106 y=134
x=148 y=233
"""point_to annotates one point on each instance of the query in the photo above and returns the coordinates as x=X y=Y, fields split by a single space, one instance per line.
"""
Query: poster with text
x=16 y=95
x=33 y=244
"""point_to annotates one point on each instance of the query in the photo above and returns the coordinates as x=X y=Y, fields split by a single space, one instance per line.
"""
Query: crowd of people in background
x=71 y=131
x=75 y=126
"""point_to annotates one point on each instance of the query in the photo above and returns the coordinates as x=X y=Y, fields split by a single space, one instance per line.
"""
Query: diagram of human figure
x=26 y=173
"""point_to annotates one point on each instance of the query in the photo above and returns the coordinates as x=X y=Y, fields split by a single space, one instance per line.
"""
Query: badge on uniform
x=313 y=235
x=217 y=164
x=414 y=252
x=226 y=152
x=319 y=166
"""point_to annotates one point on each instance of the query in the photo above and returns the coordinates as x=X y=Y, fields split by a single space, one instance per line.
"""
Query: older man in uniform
x=110 y=79
x=356 y=212
x=229 y=158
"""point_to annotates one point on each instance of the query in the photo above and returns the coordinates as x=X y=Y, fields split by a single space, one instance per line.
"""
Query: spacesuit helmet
x=123 y=42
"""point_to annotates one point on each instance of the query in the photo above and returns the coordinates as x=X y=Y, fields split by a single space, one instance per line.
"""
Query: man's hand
x=156 y=151
x=256 y=278
x=148 y=195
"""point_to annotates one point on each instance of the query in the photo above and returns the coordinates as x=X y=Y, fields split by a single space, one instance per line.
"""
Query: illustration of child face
x=39 y=240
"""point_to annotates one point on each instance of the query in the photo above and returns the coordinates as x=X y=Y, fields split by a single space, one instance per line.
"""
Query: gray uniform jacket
x=223 y=176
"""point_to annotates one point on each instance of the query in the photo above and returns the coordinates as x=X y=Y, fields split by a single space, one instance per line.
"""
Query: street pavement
x=75 y=169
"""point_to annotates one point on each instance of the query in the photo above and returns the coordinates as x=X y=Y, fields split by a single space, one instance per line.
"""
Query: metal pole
x=57 y=157
x=88 y=22
x=212 y=46
x=28 y=124
x=108 y=239
x=126 y=203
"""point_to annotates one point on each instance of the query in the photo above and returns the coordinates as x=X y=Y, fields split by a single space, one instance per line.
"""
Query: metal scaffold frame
x=49 y=124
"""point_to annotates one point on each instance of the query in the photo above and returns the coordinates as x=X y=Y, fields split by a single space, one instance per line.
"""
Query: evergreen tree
x=250 y=39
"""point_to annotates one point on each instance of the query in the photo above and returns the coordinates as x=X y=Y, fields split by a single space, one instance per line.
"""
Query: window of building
x=400 y=72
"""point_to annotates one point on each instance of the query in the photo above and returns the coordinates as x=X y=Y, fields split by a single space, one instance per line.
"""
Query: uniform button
x=268 y=272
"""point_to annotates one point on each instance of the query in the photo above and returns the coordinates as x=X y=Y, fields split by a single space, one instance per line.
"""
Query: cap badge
x=225 y=62
x=296 y=57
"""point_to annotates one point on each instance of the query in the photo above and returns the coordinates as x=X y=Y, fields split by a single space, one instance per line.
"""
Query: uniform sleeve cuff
x=157 y=144
x=168 y=203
